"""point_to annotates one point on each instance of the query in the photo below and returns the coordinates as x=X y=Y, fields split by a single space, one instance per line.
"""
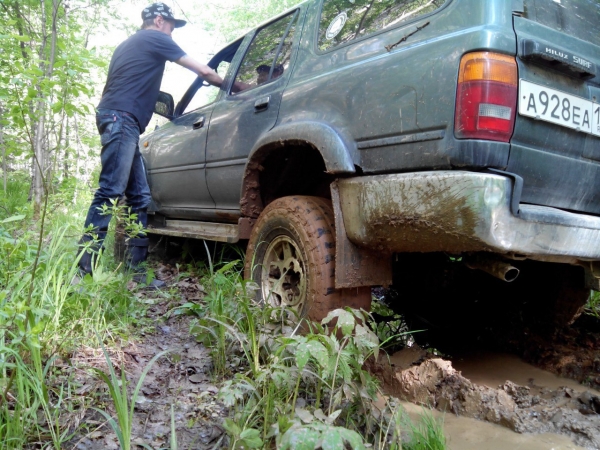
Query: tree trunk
x=46 y=65
x=39 y=162
x=67 y=151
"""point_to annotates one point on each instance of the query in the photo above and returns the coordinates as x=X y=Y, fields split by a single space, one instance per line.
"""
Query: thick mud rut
x=502 y=389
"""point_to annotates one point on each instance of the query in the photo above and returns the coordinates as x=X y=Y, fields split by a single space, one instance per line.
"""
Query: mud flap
x=592 y=275
x=356 y=266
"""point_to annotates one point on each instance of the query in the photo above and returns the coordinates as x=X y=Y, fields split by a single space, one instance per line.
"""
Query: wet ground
x=520 y=390
x=179 y=387
x=539 y=389
x=481 y=386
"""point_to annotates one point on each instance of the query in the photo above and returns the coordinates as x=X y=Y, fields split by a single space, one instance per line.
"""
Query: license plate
x=560 y=108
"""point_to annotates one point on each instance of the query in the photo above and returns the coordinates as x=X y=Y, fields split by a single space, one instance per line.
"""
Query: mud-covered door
x=241 y=117
x=556 y=143
x=176 y=154
x=176 y=163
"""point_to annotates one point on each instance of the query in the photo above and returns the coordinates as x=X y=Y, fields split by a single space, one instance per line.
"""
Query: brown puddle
x=524 y=407
x=464 y=433
x=492 y=370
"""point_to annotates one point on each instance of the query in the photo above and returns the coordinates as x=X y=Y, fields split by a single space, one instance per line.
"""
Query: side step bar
x=197 y=230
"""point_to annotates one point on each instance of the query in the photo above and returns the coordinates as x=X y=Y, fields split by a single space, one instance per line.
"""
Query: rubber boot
x=88 y=258
x=136 y=252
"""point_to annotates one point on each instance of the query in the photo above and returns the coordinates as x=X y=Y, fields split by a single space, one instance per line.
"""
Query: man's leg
x=119 y=135
x=138 y=197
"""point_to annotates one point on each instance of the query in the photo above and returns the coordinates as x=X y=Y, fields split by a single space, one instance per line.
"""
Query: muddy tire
x=291 y=256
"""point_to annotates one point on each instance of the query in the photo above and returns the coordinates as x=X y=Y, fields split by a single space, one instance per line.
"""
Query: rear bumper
x=459 y=211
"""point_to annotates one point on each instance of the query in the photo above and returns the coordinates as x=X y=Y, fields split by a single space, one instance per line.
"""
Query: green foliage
x=42 y=315
x=118 y=392
x=319 y=435
x=428 y=434
x=14 y=200
x=593 y=306
x=241 y=15
x=289 y=390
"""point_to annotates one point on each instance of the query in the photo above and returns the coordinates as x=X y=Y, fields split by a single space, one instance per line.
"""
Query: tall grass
x=43 y=315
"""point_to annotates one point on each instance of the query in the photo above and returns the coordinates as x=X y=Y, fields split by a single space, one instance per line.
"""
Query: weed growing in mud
x=291 y=389
x=428 y=434
x=593 y=306
x=124 y=406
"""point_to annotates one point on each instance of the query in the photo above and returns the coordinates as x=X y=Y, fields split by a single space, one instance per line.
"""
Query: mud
x=179 y=385
x=573 y=352
x=537 y=402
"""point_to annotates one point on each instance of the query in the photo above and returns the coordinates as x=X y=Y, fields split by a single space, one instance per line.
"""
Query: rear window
x=578 y=18
x=346 y=20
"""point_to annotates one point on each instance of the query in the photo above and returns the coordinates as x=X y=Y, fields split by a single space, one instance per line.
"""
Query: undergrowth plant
x=593 y=306
x=44 y=315
x=291 y=390
x=124 y=406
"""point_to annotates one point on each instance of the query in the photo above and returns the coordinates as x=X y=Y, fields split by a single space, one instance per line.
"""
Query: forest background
x=54 y=57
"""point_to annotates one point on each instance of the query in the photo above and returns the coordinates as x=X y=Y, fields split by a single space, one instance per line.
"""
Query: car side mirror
x=164 y=106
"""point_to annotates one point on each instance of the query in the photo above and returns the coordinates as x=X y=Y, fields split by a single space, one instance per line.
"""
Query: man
x=132 y=87
x=263 y=73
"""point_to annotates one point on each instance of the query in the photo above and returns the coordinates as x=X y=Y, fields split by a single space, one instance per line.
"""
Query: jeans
x=123 y=170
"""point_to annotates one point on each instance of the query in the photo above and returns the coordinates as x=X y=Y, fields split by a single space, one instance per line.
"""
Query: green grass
x=593 y=306
x=43 y=316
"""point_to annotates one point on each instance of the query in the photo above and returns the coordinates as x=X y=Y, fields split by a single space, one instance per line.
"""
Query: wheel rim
x=283 y=280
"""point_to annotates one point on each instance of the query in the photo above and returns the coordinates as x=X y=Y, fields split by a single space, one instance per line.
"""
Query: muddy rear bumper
x=459 y=211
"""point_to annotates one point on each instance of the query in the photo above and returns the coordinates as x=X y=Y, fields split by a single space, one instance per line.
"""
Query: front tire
x=291 y=256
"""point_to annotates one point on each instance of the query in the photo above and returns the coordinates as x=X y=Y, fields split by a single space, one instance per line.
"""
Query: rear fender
x=335 y=149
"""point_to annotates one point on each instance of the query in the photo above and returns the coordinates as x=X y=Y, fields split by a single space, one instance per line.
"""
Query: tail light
x=486 y=99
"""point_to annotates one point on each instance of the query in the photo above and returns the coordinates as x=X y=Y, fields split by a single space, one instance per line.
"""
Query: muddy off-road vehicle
x=397 y=141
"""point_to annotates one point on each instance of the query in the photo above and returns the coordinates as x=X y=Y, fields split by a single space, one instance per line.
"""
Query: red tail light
x=486 y=99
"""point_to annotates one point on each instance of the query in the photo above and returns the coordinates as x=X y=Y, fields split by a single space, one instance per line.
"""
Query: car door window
x=268 y=56
x=206 y=93
x=345 y=20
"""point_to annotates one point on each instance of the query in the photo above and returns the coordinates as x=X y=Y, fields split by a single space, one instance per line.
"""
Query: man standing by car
x=132 y=86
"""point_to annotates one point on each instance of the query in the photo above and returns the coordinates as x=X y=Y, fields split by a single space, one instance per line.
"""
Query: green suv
x=373 y=135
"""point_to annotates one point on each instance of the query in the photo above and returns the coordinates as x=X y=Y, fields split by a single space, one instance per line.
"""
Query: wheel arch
x=312 y=142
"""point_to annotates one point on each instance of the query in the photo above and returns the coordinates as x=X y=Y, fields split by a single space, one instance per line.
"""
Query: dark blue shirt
x=135 y=73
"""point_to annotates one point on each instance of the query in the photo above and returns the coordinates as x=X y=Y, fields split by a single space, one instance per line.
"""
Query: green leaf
x=300 y=439
x=302 y=354
x=250 y=438
x=13 y=218
x=332 y=440
x=353 y=438
x=232 y=428
x=345 y=320
x=319 y=352
x=20 y=38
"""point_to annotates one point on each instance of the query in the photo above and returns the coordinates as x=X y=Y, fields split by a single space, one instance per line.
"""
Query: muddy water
x=501 y=389
x=463 y=433
x=492 y=370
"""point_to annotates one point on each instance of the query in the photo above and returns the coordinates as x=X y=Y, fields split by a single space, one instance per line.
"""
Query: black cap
x=264 y=68
x=160 y=9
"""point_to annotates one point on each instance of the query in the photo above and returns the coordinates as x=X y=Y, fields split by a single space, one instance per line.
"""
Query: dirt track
x=465 y=382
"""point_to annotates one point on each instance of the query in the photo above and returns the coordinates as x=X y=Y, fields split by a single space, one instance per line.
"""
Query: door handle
x=262 y=103
x=199 y=123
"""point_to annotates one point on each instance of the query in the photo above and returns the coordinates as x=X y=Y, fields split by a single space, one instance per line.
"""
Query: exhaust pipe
x=494 y=266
